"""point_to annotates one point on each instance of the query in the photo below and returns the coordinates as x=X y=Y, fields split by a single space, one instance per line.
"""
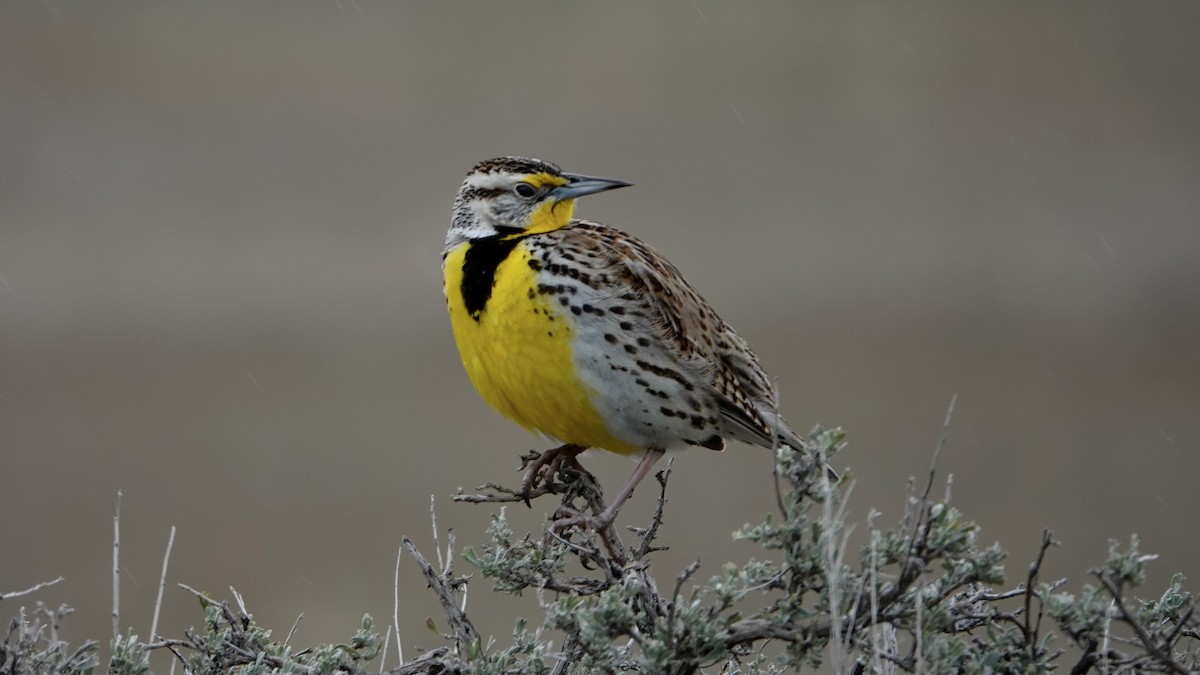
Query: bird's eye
x=525 y=190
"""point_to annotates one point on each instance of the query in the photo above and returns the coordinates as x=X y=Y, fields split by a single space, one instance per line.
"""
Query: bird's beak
x=585 y=185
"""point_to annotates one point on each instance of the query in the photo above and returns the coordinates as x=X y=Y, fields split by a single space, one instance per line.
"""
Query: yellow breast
x=517 y=351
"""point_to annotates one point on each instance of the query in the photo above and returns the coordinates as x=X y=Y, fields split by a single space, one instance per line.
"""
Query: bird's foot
x=539 y=476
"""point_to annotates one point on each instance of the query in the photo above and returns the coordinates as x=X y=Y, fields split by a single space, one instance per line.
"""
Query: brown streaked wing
x=685 y=319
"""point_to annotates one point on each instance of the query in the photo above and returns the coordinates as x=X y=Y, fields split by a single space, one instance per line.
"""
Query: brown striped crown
x=516 y=165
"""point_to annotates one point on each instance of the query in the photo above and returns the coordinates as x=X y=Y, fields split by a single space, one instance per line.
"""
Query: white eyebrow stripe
x=489 y=181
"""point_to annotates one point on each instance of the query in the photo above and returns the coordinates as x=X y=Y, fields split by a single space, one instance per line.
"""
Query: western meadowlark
x=586 y=334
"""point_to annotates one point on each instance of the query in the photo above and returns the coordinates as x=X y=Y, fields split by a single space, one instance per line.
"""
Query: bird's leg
x=602 y=524
x=648 y=460
x=547 y=465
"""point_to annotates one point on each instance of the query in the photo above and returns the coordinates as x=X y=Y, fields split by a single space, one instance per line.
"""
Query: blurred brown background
x=220 y=228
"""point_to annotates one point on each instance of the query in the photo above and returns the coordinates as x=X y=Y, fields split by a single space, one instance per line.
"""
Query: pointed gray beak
x=585 y=185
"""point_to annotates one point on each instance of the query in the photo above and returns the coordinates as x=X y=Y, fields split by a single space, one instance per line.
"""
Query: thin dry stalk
x=162 y=581
x=31 y=589
x=116 y=570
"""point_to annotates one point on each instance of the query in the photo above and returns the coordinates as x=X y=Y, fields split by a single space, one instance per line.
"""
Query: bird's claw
x=543 y=468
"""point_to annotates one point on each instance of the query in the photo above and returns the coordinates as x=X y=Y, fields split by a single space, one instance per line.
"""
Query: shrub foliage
x=919 y=596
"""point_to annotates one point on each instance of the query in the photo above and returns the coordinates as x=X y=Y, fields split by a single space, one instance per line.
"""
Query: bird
x=589 y=336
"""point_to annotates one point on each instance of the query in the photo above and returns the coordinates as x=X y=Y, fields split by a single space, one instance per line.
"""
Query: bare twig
x=464 y=631
x=295 y=624
x=908 y=571
x=32 y=589
x=437 y=547
x=499 y=494
x=396 y=605
x=240 y=601
x=648 y=535
x=116 y=570
x=679 y=582
x=451 y=553
x=162 y=581
x=204 y=597
x=937 y=451
x=387 y=638
x=1031 y=632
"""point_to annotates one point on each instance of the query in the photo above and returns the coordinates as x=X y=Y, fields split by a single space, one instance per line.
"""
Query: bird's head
x=515 y=196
